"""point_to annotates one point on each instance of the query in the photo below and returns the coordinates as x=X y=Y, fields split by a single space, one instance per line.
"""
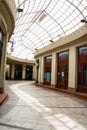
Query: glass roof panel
x=42 y=21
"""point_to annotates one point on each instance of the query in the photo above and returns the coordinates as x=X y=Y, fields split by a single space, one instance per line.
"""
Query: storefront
x=62 y=69
x=63 y=64
x=47 y=70
x=82 y=69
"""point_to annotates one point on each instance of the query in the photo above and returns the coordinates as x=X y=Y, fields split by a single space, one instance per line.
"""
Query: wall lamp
x=20 y=10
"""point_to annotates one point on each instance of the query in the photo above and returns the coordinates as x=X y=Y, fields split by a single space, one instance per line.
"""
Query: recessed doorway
x=29 y=70
x=18 y=72
x=62 y=70
x=82 y=69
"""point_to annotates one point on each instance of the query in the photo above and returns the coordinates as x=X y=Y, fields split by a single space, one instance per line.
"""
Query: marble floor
x=35 y=108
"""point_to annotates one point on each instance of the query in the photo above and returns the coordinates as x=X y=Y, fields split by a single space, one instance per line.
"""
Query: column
x=24 y=72
x=3 y=63
x=12 y=71
x=37 y=61
x=54 y=69
x=39 y=70
x=42 y=70
x=72 y=68
x=34 y=72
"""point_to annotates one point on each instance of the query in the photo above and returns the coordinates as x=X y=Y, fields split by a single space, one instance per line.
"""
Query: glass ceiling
x=43 y=22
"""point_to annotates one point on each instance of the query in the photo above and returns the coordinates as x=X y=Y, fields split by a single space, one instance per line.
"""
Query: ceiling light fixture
x=84 y=21
x=51 y=40
x=35 y=49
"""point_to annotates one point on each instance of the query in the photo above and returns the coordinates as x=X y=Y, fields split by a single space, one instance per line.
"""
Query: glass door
x=18 y=72
x=82 y=69
x=63 y=77
x=62 y=74
x=29 y=70
x=47 y=70
x=85 y=75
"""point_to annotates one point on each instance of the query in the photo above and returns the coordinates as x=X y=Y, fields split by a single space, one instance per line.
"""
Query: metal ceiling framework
x=43 y=21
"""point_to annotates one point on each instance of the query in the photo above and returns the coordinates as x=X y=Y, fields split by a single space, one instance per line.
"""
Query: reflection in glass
x=85 y=75
x=80 y=74
x=80 y=67
x=47 y=77
x=47 y=69
x=62 y=75
x=63 y=55
x=83 y=50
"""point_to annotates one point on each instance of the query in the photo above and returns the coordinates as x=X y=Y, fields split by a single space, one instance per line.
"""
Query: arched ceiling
x=43 y=22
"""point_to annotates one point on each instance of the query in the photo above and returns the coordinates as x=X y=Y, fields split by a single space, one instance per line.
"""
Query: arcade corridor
x=35 y=108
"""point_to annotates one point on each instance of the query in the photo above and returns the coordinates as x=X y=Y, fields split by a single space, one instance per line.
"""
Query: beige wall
x=34 y=72
x=72 y=80
x=12 y=71
x=23 y=72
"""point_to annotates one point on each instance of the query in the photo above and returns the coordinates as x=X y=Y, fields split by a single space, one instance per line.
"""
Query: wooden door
x=47 y=70
x=82 y=70
x=62 y=74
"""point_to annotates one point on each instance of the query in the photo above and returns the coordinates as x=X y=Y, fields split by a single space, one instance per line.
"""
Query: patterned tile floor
x=34 y=108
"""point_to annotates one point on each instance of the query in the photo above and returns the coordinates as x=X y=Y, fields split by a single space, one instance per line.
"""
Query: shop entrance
x=29 y=70
x=18 y=72
x=47 y=70
x=82 y=69
x=62 y=73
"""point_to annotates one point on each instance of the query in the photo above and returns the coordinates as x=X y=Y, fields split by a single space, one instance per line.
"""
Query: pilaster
x=53 y=69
